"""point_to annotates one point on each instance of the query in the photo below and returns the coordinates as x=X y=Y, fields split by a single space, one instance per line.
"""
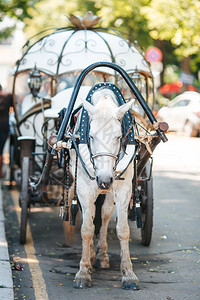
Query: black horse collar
x=126 y=121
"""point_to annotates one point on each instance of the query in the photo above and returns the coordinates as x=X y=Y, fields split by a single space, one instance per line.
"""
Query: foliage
x=122 y=14
x=17 y=9
x=177 y=21
x=48 y=14
x=6 y=32
x=173 y=26
x=171 y=73
x=125 y=15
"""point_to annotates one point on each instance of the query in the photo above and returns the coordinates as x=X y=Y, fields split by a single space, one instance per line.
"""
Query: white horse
x=105 y=145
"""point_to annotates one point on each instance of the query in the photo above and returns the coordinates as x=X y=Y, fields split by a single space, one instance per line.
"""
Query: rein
x=118 y=176
x=104 y=154
x=79 y=156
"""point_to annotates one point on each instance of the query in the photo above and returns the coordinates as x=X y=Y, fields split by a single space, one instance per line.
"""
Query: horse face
x=105 y=136
x=105 y=140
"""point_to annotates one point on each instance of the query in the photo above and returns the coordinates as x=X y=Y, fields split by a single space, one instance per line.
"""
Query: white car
x=183 y=113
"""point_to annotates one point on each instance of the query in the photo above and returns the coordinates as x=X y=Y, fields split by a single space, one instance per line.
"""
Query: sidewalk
x=6 y=282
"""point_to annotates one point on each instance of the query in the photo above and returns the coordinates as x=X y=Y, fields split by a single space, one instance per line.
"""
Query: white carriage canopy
x=62 y=54
x=67 y=50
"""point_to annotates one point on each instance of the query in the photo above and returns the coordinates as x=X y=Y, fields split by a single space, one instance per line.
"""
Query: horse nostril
x=104 y=185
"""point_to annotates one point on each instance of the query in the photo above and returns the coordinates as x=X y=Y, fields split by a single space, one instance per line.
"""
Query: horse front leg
x=83 y=277
x=129 y=279
x=106 y=213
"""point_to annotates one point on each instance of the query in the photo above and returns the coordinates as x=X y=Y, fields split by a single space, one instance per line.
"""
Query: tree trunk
x=185 y=65
x=186 y=75
x=162 y=46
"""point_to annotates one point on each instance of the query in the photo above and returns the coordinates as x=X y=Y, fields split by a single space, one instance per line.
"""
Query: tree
x=178 y=22
x=125 y=15
x=122 y=14
x=173 y=26
x=17 y=9
x=51 y=14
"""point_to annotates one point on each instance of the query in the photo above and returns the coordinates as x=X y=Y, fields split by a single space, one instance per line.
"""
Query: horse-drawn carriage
x=87 y=116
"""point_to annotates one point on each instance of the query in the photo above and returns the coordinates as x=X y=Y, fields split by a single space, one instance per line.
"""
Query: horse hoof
x=82 y=284
x=129 y=286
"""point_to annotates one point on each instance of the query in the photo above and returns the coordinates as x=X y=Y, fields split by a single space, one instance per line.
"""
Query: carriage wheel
x=147 y=208
x=24 y=199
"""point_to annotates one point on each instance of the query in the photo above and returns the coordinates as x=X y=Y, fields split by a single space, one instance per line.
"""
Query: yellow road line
x=36 y=273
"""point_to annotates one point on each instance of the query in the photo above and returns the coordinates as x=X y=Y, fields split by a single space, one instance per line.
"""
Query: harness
x=127 y=129
x=127 y=139
x=126 y=121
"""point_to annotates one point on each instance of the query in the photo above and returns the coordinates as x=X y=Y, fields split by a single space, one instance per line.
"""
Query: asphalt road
x=169 y=269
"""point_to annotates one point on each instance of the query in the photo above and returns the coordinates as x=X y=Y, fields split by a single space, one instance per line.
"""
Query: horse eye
x=91 y=137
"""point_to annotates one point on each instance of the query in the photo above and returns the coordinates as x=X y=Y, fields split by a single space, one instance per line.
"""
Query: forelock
x=106 y=103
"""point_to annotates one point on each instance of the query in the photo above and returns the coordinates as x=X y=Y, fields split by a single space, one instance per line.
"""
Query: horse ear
x=89 y=107
x=123 y=108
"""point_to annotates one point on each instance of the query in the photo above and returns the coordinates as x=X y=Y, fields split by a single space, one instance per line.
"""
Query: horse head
x=105 y=134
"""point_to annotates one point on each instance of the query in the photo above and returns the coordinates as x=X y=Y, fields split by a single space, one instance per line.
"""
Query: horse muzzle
x=104 y=183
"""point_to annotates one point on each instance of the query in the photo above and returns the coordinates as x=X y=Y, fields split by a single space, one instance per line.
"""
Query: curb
x=6 y=281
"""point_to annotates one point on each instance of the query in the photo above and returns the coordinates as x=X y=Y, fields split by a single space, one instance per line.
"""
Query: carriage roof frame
x=76 y=42
x=66 y=34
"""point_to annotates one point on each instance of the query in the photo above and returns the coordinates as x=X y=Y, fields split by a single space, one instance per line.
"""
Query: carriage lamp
x=35 y=82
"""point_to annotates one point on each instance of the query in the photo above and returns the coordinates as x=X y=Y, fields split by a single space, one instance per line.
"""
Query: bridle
x=127 y=129
x=100 y=154
x=116 y=157
x=104 y=154
x=93 y=156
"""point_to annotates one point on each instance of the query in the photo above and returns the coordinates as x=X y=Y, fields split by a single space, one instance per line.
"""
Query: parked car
x=183 y=113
